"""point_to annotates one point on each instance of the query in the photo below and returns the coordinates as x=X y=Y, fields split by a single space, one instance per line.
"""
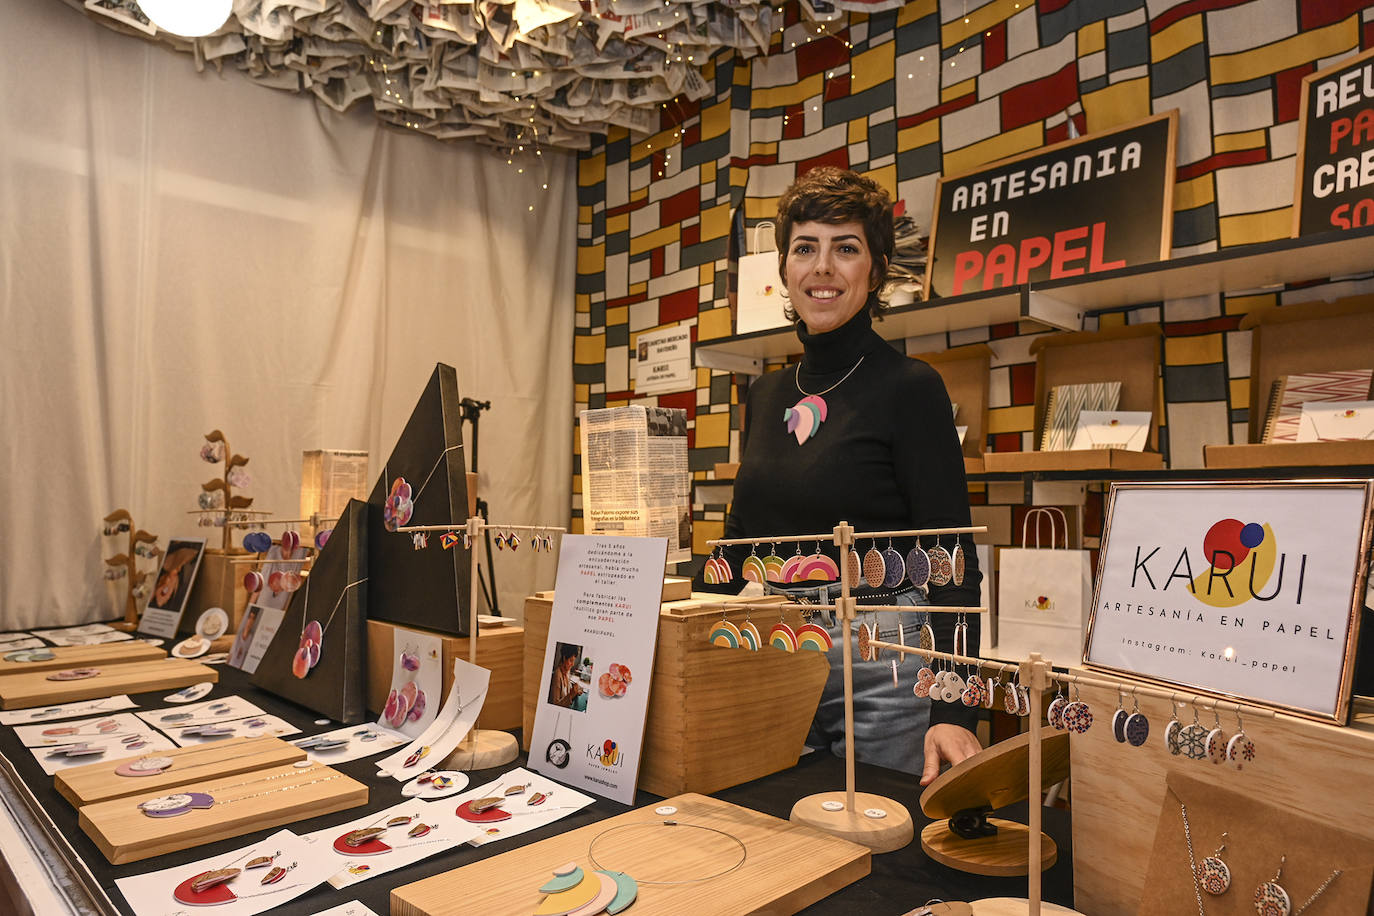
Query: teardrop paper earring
x=875 y=570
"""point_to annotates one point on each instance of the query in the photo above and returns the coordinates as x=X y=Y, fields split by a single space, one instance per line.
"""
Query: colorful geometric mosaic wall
x=942 y=87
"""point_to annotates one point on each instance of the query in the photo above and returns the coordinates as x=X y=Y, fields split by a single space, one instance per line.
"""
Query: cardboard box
x=1095 y=459
x=499 y=650
x=1289 y=454
x=717 y=717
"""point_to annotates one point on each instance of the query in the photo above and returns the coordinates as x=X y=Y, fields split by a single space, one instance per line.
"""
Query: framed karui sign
x=1250 y=590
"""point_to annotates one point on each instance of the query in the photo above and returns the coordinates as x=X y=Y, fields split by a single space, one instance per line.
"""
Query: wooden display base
x=1083 y=459
x=786 y=869
x=881 y=834
x=130 y=650
x=197 y=763
x=20 y=691
x=1003 y=855
x=1017 y=906
x=126 y=834
x=1289 y=454
x=482 y=749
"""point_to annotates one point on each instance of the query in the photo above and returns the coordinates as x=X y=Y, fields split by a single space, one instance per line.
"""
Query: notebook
x=1066 y=402
x=1283 y=416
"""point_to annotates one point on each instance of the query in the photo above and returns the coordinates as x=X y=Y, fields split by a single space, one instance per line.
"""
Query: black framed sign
x=1080 y=207
x=1250 y=590
x=1335 y=183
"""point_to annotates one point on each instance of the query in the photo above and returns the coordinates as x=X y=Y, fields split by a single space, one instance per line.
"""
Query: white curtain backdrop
x=185 y=251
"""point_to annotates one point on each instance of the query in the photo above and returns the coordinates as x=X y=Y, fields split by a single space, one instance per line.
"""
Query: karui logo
x=1238 y=564
x=607 y=753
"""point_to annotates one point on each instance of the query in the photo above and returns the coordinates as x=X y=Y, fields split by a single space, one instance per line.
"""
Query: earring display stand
x=99 y=782
x=109 y=653
x=287 y=794
x=129 y=560
x=20 y=691
x=483 y=748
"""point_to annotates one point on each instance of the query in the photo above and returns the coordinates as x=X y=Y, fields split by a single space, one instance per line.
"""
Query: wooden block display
x=499 y=649
x=1118 y=790
x=697 y=694
x=20 y=691
x=1082 y=459
x=125 y=834
x=99 y=781
x=965 y=372
x=1290 y=454
x=787 y=867
x=129 y=650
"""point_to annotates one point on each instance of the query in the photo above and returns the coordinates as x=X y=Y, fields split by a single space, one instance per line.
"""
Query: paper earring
x=772 y=565
x=875 y=569
x=1270 y=897
x=1213 y=874
x=752 y=568
x=1240 y=750
x=918 y=566
x=1137 y=726
x=957 y=563
x=895 y=567
x=941 y=567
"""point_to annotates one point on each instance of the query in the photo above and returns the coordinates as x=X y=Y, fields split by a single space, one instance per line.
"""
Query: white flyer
x=292 y=867
x=395 y=837
x=351 y=908
x=66 y=710
x=416 y=683
x=349 y=743
x=449 y=728
x=524 y=801
x=604 y=628
x=663 y=361
x=254 y=635
x=1123 y=429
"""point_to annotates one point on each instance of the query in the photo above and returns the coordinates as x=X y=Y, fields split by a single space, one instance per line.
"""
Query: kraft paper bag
x=1043 y=595
x=760 y=289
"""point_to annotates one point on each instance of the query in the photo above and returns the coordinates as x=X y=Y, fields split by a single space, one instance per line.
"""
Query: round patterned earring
x=1137 y=726
x=1172 y=730
x=1270 y=897
x=1216 y=740
x=1240 y=750
x=918 y=565
x=875 y=568
x=1119 y=719
x=1213 y=874
x=1055 y=712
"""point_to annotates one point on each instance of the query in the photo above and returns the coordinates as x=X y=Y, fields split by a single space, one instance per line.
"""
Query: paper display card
x=254 y=635
x=594 y=684
x=10 y=642
x=252 y=727
x=533 y=802
x=65 y=710
x=352 y=907
x=663 y=361
x=962 y=431
x=1123 y=429
x=1330 y=421
x=1064 y=404
x=208 y=712
x=290 y=572
x=88 y=634
x=351 y=742
x=172 y=587
x=416 y=679
x=429 y=828
x=73 y=744
x=1283 y=415
x=449 y=728
x=294 y=867
x=1247 y=590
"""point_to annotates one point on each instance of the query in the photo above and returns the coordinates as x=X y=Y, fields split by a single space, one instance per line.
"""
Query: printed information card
x=594 y=687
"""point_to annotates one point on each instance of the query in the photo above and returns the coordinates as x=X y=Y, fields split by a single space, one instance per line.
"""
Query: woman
x=885 y=457
x=563 y=690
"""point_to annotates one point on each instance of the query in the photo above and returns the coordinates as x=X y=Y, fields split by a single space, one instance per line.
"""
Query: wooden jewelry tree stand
x=128 y=560
x=232 y=503
x=483 y=747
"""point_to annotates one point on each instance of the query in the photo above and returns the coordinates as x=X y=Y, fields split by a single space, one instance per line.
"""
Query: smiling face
x=828 y=271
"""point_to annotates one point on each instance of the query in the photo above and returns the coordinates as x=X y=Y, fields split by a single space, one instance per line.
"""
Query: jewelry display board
x=20 y=691
x=241 y=804
x=1317 y=863
x=687 y=868
x=422 y=483
x=318 y=656
x=128 y=650
x=106 y=780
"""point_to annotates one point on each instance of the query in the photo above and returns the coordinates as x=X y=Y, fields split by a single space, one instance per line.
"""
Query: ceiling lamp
x=188 y=18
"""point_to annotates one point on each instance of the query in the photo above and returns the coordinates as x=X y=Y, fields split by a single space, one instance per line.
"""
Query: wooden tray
x=110 y=653
x=20 y=691
x=197 y=763
x=997 y=776
x=788 y=867
x=125 y=834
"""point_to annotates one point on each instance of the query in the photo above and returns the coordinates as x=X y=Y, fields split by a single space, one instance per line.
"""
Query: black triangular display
x=335 y=595
x=428 y=587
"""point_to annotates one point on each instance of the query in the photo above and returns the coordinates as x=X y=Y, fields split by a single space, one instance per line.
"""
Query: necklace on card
x=312 y=634
x=805 y=417
x=182 y=802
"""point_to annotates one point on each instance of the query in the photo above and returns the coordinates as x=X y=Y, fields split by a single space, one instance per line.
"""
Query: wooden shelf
x=1062 y=304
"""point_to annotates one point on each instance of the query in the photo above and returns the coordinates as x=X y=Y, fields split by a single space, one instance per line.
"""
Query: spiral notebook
x=1283 y=416
x=1064 y=405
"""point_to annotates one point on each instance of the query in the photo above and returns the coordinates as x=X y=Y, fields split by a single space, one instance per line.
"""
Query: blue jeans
x=889 y=723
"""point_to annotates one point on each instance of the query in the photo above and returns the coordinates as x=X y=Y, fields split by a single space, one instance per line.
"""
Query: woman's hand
x=949 y=744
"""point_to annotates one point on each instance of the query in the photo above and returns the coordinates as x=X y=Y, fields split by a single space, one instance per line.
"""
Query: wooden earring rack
x=129 y=560
x=232 y=503
x=482 y=748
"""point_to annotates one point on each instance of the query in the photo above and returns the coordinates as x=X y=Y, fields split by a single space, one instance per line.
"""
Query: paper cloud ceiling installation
x=506 y=72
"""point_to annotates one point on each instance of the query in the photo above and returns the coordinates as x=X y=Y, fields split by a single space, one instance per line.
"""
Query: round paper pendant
x=1272 y=900
x=1214 y=876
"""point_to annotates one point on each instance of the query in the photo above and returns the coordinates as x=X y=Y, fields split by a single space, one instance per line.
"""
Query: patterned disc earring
x=1009 y=700
x=957 y=562
x=918 y=566
x=1119 y=719
x=941 y=569
x=1216 y=740
x=1137 y=726
x=1270 y=897
x=1192 y=741
x=1078 y=717
x=853 y=568
x=1174 y=728
x=896 y=568
x=1240 y=750
x=875 y=569
x=1213 y=873
x=1055 y=713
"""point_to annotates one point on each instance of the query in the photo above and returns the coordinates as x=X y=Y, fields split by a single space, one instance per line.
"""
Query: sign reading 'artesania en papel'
x=1246 y=589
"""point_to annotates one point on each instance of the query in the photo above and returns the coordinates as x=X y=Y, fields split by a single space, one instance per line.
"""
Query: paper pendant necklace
x=804 y=418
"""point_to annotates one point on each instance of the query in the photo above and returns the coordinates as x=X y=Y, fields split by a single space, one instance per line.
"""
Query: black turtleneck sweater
x=887 y=457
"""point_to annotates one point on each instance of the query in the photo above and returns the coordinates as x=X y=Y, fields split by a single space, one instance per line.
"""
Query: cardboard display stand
x=427 y=588
x=786 y=867
x=110 y=653
x=20 y=691
x=964 y=370
x=336 y=596
x=99 y=781
x=125 y=834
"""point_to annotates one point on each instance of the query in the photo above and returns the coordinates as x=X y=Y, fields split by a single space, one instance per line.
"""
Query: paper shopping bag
x=760 y=289
x=1043 y=596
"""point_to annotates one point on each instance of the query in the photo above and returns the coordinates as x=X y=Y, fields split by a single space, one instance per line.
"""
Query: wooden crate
x=788 y=866
x=717 y=717
x=1290 y=454
x=129 y=650
x=20 y=691
x=1118 y=790
x=125 y=834
x=1083 y=459
x=499 y=650
x=98 y=781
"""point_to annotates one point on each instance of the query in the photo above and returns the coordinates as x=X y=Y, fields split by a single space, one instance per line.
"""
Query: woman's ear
x=878 y=275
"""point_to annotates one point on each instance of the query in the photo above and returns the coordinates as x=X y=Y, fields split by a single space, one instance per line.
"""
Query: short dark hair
x=831 y=195
x=567 y=651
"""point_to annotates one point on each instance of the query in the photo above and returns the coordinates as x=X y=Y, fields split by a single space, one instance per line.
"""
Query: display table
x=898 y=882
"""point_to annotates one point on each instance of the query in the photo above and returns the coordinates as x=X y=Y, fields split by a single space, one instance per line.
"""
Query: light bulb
x=188 y=18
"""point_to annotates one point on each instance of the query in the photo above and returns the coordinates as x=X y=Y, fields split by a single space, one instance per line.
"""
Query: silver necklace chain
x=797 y=379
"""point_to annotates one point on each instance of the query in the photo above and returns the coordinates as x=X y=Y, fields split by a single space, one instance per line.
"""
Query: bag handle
x=1049 y=512
x=771 y=228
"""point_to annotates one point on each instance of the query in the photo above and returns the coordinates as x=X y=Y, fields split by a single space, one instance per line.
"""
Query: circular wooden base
x=483 y=749
x=1017 y=906
x=1002 y=855
x=883 y=834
